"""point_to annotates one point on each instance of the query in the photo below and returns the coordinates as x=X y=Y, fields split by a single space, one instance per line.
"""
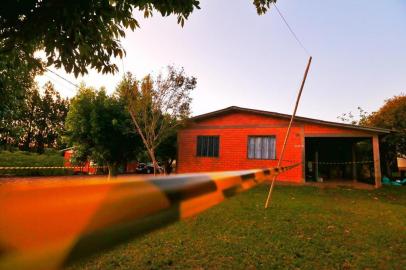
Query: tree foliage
x=166 y=151
x=157 y=106
x=38 y=122
x=392 y=115
x=99 y=127
x=353 y=119
x=75 y=35
x=79 y=34
x=17 y=73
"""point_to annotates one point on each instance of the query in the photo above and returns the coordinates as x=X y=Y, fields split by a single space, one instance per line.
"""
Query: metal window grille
x=208 y=146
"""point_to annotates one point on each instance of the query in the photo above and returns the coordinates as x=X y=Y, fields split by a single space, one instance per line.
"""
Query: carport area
x=342 y=159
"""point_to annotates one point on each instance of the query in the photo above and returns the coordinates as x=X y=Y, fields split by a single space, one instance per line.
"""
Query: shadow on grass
x=305 y=227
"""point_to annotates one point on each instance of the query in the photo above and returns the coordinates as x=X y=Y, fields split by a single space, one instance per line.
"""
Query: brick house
x=238 y=138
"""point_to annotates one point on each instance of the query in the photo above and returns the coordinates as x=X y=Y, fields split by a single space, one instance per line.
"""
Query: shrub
x=50 y=158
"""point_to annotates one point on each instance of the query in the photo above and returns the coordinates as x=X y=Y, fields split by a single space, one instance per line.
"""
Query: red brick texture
x=234 y=129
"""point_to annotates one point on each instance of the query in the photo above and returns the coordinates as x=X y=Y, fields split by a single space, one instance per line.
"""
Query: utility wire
x=268 y=199
x=290 y=29
x=63 y=78
x=59 y=83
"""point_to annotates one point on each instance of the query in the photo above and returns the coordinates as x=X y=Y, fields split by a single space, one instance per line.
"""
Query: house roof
x=287 y=116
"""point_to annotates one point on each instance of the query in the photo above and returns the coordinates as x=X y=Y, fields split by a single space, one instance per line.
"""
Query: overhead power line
x=268 y=200
x=291 y=30
x=60 y=83
x=63 y=78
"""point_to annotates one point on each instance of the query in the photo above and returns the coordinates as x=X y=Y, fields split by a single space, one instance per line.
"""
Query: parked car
x=147 y=168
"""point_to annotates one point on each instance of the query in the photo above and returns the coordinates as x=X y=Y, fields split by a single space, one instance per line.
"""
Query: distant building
x=89 y=167
x=85 y=168
x=237 y=138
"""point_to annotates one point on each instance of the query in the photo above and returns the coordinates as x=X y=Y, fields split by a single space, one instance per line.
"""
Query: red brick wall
x=234 y=129
x=312 y=129
x=242 y=118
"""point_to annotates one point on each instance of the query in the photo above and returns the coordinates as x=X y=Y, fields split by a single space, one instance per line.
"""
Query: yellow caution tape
x=50 y=167
x=49 y=224
x=343 y=162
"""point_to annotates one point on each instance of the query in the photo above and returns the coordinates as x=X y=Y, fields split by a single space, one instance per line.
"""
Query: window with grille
x=261 y=147
x=207 y=146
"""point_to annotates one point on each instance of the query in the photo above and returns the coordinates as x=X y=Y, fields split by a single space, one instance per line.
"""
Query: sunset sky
x=242 y=59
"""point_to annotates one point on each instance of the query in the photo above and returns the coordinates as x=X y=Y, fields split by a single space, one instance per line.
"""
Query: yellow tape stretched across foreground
x=47 y=225
x=51 y=167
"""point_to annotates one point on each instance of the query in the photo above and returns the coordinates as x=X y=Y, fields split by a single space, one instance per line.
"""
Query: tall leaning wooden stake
x=268 y=200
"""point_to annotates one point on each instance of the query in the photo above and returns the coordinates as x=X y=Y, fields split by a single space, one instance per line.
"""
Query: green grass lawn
x=27 y=159
x=305 y=228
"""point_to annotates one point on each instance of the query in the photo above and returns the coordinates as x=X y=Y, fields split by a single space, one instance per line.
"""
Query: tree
x=51 y=117
x=75 y=35
x=350 y=118
x=81 y=34
x=157 y=107
x=392 y=115
x=167 y=151
x=27 y=123
x=43 y=119
x=99 y=127
x=17 y=73
x=39 y=122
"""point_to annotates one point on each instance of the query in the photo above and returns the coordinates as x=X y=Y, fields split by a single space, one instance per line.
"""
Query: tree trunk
x=150 y=150
x=112 y=170
x=40 y=145
x=26 y=145
x=154 y=163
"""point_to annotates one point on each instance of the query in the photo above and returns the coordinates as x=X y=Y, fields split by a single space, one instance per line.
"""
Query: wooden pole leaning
x=268 y=199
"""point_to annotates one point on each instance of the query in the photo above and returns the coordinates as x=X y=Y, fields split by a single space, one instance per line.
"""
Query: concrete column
x=377 y=161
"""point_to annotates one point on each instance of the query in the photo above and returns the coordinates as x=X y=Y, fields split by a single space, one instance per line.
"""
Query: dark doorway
x=339 y=159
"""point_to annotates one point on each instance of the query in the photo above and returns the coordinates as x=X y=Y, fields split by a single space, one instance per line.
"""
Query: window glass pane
x=204 y=153
x=216 y=146
x=251 y=147
x=202 y=146
x=261 y=147
x=199 y=146
x=210 y=146
x=272 y=148
x=265 y=148
x=258 y=147
x=207 y=146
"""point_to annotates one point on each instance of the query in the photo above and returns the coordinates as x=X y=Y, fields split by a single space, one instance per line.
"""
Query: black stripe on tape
x=96 y=241
x=184 y=187
x=231 y=191
x=247 y=176
x=267 y=171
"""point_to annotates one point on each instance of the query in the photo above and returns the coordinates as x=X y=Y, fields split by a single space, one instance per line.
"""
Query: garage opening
x=339 y=159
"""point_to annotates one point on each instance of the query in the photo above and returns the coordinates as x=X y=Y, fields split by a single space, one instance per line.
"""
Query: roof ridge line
x=276 y=114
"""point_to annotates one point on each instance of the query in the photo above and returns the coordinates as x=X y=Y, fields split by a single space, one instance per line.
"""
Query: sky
x=242 y=59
